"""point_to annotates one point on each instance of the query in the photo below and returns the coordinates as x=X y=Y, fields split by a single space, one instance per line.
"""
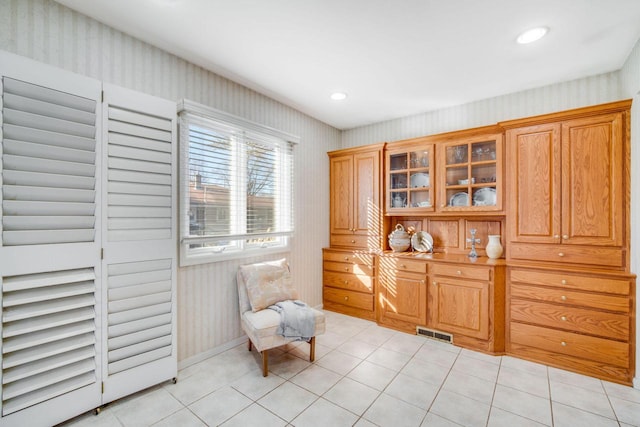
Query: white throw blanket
x=297 y=320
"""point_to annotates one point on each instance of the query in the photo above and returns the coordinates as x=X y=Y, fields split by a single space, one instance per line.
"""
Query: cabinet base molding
x=600 y=370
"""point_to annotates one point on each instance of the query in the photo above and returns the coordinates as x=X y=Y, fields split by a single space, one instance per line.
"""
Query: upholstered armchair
x=260 y=286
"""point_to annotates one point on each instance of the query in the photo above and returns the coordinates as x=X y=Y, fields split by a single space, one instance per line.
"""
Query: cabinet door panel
x=461 y=307
x=341 y=194
x=404 y=298
x=592 y=180
x=366 y=208
x=534 y=183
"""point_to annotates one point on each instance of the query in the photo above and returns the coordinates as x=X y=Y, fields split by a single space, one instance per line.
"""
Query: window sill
x=187 y=259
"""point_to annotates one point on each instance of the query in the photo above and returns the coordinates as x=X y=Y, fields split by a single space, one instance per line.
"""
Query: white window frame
x=191 y=112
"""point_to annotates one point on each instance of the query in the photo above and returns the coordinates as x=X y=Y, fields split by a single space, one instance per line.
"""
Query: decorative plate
x=485 y=197
x=422 y=241
x=419 y=180
x=459 y=199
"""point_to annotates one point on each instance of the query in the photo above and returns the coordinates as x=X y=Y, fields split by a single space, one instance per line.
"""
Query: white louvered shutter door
x=139 y=232
x=50 y=270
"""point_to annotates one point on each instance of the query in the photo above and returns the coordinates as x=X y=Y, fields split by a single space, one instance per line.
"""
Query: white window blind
x=237 y=185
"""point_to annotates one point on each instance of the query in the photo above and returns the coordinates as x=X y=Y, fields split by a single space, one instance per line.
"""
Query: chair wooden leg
x=265 y=363
x=312 y=349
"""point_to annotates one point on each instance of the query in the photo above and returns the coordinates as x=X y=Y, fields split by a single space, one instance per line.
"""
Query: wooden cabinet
x=349 y=282
x=409 y=170
x=573 y=319
x=467 y=301
x=402 y=292
x=355 y=201
x=470 y=174
x=566 y=187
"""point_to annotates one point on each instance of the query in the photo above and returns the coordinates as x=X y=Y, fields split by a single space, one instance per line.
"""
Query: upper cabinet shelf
x=470 y=174
x=455 y=172
x=409 y=178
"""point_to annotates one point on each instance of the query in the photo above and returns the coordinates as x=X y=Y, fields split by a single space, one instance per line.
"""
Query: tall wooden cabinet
x=570 y=295
x=356 y=230
x=355 y=200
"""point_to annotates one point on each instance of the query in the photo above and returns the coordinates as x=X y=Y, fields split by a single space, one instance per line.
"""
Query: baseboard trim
x=636 y=383
x=210 y=353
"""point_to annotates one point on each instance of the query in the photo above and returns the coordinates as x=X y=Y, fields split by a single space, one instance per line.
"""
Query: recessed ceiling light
x=532 y=35
x=338 y=96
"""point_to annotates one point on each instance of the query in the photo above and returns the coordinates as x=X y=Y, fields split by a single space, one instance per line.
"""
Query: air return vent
x=437 y=335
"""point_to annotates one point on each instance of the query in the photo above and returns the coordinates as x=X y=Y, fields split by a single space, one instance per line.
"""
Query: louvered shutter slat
x=43 y=294
x=139 y=313
x=116 y=175
x=137 y=142
x=31 y=369
x=51 y=124
x=38 y=382
x=139 y=223
x=136 y=188
x=139 y=325
x=49 y=152
x=36 y=179
x=15 y=192
x=14 y=223
x=139 y=154
x=139 y=212
x=56 y=139
x=140 y=359
x=141 y=131
x=49 y=95
x=116 y=294
x=29 y=164
x=32 y=208
x=16 y=238
x=9 y=360
x=47 y=108
x=139 y=301
x=29 y=281
x=135 y=278
x=50 y=321
x=59 y=333
x=13 y=405
x=139 y=336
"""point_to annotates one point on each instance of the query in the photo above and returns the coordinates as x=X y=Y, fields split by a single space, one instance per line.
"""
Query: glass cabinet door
x=471 y=175
x=409 y=184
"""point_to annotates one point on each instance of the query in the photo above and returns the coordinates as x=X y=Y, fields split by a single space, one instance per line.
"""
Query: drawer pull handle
x=353 y=241
x=565 y=236
x=564 y=344
x=458 y=272
x=346 y=269
x=563 y=318
x=564 y=282
x=403 y=266
x=563 y=297
x=346 y=258
x=346 y=298
x=346 y=282
x=556 y=236
x=561 y=254
x=434 y=283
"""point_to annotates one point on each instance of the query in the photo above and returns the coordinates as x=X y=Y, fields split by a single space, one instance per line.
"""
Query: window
x=237 y=186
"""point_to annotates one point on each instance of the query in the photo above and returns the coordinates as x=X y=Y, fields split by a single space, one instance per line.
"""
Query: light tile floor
x=366 y=375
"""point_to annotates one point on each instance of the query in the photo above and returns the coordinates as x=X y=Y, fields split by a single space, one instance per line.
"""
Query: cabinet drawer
x=569 y=297
x=348 y=257
x=353 y=282
x=348 y=268
x=349 y=298
x=590 y=255
x=462 y=271
x=607 y=325
x=404 y=264
x=352 y=241
x=571 y=281
x=572 y=344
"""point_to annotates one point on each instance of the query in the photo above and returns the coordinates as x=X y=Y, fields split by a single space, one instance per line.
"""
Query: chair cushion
x=261 y=327
x=267 y=283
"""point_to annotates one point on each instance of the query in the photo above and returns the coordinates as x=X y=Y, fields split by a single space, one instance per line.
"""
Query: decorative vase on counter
x=494 y=247
x=399 y=240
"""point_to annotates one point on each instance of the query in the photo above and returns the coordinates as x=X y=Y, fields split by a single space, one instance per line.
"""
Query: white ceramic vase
x=494 y=247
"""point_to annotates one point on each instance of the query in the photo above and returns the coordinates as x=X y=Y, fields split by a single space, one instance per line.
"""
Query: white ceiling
x=393 y=58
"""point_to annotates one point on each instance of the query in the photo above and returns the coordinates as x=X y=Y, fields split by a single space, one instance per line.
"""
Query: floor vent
x=437 y=335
